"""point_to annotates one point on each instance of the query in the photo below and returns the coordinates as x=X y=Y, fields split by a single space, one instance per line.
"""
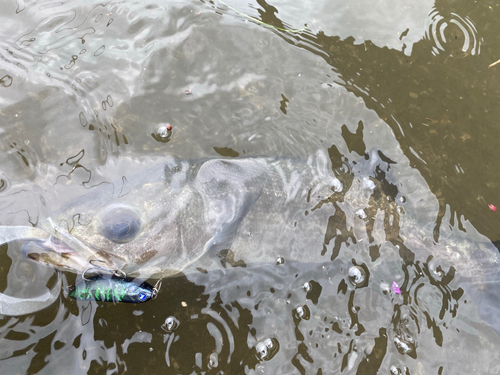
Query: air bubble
x=337 y=185
x=6 y=81
x=280 y=261
x=170 y=325
x=361 y=214
x=162 y=130
x=307 y=286
x=357 y=276
x=267 y=349
x=83 y=119
x=99 y=51
x=395 y=371
x=303 y=312
x=213 y=361
x=368 y=184
x=162 y=133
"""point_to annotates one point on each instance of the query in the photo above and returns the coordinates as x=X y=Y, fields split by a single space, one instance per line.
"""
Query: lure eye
x=142 y=296
x=120 y=223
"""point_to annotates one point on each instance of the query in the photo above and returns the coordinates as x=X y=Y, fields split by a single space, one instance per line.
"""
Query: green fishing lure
x=113 y=289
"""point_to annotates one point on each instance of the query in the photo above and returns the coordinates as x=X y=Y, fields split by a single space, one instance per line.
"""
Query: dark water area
x=391 y=267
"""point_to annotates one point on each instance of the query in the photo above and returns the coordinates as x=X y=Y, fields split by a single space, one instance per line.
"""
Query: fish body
x=182 y=216
x=112 y=289
x=157 y=222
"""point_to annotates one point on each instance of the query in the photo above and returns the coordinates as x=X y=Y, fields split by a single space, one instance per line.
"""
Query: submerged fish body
x=161 y=220
x=201 y=213
x=183 y=216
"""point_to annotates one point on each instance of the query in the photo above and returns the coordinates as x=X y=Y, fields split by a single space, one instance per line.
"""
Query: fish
x=159 y=221
x=205 y=214
x=175 y=214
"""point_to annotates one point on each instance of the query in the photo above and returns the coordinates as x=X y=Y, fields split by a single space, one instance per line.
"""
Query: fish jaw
x=57 y=254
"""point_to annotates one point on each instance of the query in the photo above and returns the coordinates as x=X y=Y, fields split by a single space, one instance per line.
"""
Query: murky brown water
x=397 y=100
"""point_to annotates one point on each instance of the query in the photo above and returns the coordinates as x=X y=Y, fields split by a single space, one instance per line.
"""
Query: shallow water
x=396 y=99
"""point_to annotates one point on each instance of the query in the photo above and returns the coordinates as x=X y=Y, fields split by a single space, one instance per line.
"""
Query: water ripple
x=452 y=33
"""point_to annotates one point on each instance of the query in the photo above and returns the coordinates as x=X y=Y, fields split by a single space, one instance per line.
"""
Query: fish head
x=148 y=225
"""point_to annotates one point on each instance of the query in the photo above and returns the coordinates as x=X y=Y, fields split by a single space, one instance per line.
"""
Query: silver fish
x=179 y=216
x=165 y=218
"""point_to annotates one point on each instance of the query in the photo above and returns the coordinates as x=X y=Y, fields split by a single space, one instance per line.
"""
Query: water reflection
x=430 y=100
x=334 y=313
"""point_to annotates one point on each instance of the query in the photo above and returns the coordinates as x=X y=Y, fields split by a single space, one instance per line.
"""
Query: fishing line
x=261 y=22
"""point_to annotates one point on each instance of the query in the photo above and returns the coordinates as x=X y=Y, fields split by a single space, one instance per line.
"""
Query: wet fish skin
x=177 y=211
x=254 y=206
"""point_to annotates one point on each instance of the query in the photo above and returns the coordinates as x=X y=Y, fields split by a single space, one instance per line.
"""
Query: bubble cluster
x=405 y=332
x=395 y=371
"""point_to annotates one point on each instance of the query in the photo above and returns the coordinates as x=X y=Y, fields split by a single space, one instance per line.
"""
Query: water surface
x=397 y=99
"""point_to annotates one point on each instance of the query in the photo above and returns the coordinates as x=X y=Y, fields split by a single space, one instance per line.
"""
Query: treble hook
x=156 y=289
x=87 y=270
x=116 y=272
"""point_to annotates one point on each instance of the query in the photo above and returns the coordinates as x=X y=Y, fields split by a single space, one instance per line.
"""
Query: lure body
x=112 y=289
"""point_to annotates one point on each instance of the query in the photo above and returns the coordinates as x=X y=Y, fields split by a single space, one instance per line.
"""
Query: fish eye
x=120 y=223
x=142 y=296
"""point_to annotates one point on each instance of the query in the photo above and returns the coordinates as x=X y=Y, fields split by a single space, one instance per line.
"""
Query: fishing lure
x=113 y=289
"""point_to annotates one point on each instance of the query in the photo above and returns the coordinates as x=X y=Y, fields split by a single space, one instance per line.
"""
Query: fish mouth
x=44 y=247
x=57 y=254
x=66 y=252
